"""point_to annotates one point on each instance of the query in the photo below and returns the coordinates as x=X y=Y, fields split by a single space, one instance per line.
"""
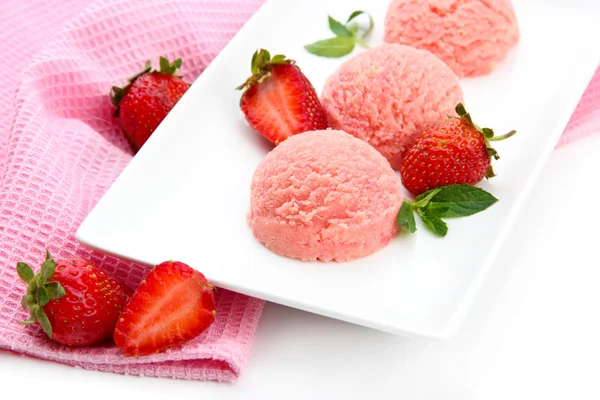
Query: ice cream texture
x=389 y=94
x=471 y=36
x=324 y=195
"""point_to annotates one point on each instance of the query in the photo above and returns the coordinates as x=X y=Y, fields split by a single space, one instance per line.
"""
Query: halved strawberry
x=279 y=101
x=173 y=304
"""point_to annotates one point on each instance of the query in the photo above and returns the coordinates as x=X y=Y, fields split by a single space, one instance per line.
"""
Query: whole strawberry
x=173 y=304
x=147 y=99
x=455 y=151
x=74 y=302
x=279 y=101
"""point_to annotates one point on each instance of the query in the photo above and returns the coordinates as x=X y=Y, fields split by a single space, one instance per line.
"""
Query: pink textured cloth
x=60 y=151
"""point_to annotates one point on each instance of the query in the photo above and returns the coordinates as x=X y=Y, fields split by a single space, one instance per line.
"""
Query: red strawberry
x=74 y=302
x=455 y=151
x=147 y=99
x=173 y=304
x=278 y=100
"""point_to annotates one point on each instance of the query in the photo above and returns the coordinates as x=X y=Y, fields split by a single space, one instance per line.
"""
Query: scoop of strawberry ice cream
x=324 y=195
x=471 y=36
x=388 y=94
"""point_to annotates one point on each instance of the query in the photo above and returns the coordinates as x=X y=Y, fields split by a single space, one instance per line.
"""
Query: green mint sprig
x=452 y=201
x=347 y=36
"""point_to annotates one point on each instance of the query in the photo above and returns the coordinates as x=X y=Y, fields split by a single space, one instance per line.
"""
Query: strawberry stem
x=502 y=137
x=362 y=43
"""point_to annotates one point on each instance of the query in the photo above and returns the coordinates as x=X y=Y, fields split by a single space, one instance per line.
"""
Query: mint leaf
x=424 y=198
x=371 y=22
x=353 y=28
x=25 y=272
x=337 y=28
x=354 y=15
x=461 y=200
x=435 y=211
x=434 y=224
x=347 y=36
x=334 y=47
x=406 y=218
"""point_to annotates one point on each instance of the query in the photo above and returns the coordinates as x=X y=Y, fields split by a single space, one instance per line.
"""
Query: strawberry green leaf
x=47 y=270
x=42 y=296
x=434 y=224
x=254 y=66
x=278 y=59
x=260 y=58
x=27 y=301
x=55 y=290
x=165 y=65
x=25 y=272
x=116 y=94
x=42 y=319
x=487 y=133
x=462 y=113
x=460 y=201
x=266 y=55
x=492 y=153
x=337 y=28
x=406 y=218
x=334 y=47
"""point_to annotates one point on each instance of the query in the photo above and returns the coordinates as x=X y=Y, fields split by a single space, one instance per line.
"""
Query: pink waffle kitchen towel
x=59 y=152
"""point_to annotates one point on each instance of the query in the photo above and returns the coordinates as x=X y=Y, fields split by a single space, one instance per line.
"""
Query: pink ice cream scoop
x=471 y=36
x=389 y=94
x=324 y=195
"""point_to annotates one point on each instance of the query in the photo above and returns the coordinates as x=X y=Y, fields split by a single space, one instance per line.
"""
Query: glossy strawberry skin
x=282 y=104
x=146 y=103
x=173 y=304
x=87 y=314
x=452 y=152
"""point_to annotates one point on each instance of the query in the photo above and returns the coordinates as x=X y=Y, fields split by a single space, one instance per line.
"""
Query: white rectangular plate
x=185 y=196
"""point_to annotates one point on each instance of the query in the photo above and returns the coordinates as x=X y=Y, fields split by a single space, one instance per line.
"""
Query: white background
x=533 y=332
